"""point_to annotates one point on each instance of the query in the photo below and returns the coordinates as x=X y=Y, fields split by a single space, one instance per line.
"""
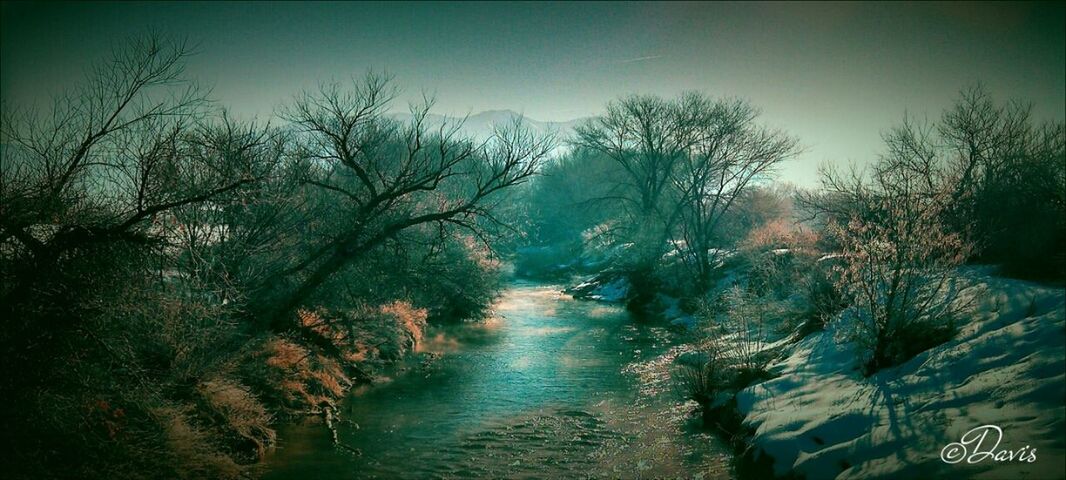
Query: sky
x=836 y=75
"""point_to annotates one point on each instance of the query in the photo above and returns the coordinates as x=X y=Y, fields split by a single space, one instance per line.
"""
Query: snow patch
x=603 y=288
x=820 y=418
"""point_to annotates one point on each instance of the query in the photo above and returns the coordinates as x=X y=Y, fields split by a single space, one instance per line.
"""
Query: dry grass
x=780 y=233
x=297 y=378
x=192 y=448
x=700 y=382
x=239 y=415
x=413 y=320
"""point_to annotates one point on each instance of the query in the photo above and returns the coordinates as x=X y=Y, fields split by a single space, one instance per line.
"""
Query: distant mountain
x=480 y=125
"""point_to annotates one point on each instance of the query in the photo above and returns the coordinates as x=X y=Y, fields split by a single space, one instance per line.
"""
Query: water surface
x=549 y=387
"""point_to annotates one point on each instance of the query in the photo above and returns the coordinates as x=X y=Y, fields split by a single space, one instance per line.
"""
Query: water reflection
x=549 y=388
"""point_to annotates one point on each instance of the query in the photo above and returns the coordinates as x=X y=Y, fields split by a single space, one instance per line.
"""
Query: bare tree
x=998 y=179
x=382 y=177
x=899 y=249
x=112 y=206
x=685 y=162
x=647 y=137
x=235 y=241
x=731 y=153
x=108 y=162
x=980 y=138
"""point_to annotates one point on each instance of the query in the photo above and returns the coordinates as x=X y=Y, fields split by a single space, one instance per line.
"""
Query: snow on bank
x=613 y=288
x=819 y=418
x=602 y=289
x=672 y=312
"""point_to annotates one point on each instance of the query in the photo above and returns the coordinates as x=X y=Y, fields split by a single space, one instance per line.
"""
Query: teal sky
x=835 y=74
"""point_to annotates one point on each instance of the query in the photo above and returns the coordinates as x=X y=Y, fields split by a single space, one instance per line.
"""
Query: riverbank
x=817 y=416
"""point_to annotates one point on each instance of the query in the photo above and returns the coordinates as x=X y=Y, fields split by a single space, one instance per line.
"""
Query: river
x=548 y=387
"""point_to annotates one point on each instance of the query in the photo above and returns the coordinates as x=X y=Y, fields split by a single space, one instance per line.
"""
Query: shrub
x=452 y=278
x=293 y=376
x=387 y=332
x=735 y=348
x=779 y=233
x=772 y=273
x=411 y=320
x=1008 y=180
x=897 y=264
x=778 y=252
x=701 y=382
x=824 y=300
x=745 y=331
x=719 y=374
x=190 y=451
x=1021 y=211
x=301 y=373
x=242 y=420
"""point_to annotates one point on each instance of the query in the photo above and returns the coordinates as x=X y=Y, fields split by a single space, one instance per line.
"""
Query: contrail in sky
x=639 y=59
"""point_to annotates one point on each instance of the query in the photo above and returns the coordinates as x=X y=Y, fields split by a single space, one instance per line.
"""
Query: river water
x=549 y=387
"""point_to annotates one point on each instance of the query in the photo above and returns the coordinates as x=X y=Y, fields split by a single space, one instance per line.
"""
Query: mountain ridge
x=481 y=124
